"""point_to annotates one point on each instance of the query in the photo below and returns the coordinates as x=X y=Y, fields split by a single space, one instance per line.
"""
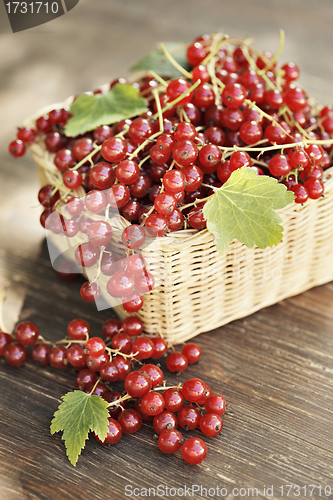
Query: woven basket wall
x=202 y=290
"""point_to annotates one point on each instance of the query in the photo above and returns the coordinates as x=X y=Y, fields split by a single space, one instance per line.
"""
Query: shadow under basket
x=202 y=290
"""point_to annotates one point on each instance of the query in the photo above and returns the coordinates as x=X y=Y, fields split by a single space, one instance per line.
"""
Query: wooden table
x=275 y=367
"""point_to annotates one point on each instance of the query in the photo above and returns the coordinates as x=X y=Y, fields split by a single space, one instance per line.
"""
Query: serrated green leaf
x=91 y=111
x=78 y=414
x=157 y=61
x=244 y=208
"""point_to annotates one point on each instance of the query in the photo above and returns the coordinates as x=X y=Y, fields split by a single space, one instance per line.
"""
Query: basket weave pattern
x=203 y=290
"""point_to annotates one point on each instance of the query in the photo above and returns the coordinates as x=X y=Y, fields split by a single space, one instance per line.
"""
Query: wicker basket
x=202 y=290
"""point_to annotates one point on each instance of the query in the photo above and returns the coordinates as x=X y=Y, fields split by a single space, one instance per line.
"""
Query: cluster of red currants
x=90 y=355
x=159 y=169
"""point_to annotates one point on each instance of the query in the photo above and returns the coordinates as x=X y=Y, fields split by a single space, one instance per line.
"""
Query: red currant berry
x=76 y=356
x=90 y=291
x=40 y=354
x=111 y=327
x=78 y=329
x=188 y=418
x=137 y=384
x=46 y=198
x=114 y=149
x=165 y=143
x=177 y=362
x=215 y=404
x=144 y=348
x=210 y=424
x=274 y=134
x=118 y=195
x=138 y=408
x=133 y=302
x=102 y=133
x=299 y=159
x=86 y=254
x=121 y=284
x=291 y=71
x=102 y=175
x=195 y=53
x=123 y=365
x=174 y=399
x=58 y=357
x=17 y=148
x=26 y=135
x=193 y=389
x=233 y=95
x=114 y=432
x=176 y=88
x=156 y=225
x=109 y=372
x=250 y=132
x=154 y=372
x=160 y=347
x=194 y=451
x=170 y=441
x=152 y=403
x=100 y=233
x=95 y=201
x=175 y=220
x=204 y=96
x=192 y=352
x=26 y=333
x=15 y=354
x=295 y=99
x=74 y=206
x=280 y=165
x=130 y=421
x=96 y=363
x=127 y=171
x=200 y=73
x=136 y=264
x=314 y=187
x=239 y=159
x=95 y=346
x=164 y=420
x=5 y=339
x=185 y=153
x=99 y=389
x=72 y=179
x=132 y=325
x=133 y=236
x=84 y=378
x=300 y=192
x=122 y=342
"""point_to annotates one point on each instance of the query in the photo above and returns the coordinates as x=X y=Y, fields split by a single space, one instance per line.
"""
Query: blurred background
x=96 y=42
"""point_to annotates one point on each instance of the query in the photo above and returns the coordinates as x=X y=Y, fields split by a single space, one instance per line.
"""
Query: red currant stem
x=302 y=131
x=99 y=264
x=176 y=101
x=164 y=387
x=120 y=400
x=258 y=162
x=215 y=47
x=303 y=143
x=198 y=200
x=159 y=109
x=117 y=352
x=70 y=341
x=210 y=187
x=215 y=81
x=276 y=56
x=144 y=144
x=143 y=161
x=183 y=116
x=40 y=337
x=174 y=62
x=88 y=157
x=95 y=385
x=252 y=63
x=158 y=78
x=2 y=300
x=150 y=211
x=266 y=115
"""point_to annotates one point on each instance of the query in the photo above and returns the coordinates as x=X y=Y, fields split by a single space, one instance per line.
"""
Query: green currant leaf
x=78 y=414
x=244 y=208
x=91 y=111
x=157 y=61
